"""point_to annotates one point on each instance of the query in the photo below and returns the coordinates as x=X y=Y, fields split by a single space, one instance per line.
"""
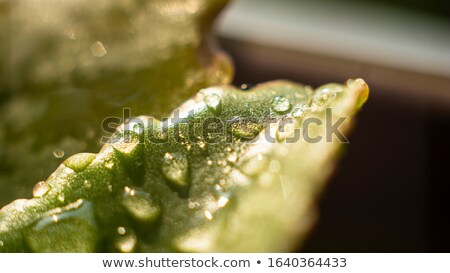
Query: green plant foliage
x=67 y=65
x=220 y=175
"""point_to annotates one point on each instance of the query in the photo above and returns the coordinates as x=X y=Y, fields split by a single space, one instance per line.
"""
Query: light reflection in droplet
x=40 y=189
x=127 y=244
x=208 y=215
x=281 y=104
x=232 y=157
x=87 y=184
x=61 y=197
x=121 y=230
x=222 y=202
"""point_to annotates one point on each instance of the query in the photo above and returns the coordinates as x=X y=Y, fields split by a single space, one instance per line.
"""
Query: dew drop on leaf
x=281 y=105
x=121 y=230
x=140 y=205
x=222 y=202
x=300 y=110
x=109 y=164
x=324 y=96
x=244 y=87
x=79 y=161
x=213 y=102
x=61 y=197
x=245 y=129
x=232 y=157
x=208 y=215
x=175 y=169
x=40 y=189
x=201 y=144
x=126 y=240
x=87 y=183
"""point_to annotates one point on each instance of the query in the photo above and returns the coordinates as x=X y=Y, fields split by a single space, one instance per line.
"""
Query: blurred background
x=391 y=191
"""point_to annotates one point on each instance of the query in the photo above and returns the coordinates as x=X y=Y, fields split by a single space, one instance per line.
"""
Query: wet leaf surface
x=224 y=173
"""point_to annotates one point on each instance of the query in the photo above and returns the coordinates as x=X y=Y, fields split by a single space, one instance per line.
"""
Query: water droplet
x=87 y=183
x=98 y=49
x=213 y=102
x=194 y=205
x=40 y=189
x=208 y=215
x=126 y=241
x=222 y=202
x=209 y=162
x=58 y=153
x=245 y=87
x=300 y=110
x=1 y=243
x=281 y=105
x=109 y=164
x=175 y=169
x=61 y=197
x=79 y=162
x=218 y=188
x=121 y=231
x=68 y=229
x=324 y=95
x=196 y=240
x=201 y=144
x=140 y=205
x=232 y=157
x=245 y=129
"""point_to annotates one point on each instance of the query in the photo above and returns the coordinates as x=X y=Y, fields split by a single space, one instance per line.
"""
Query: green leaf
x=67 y=65
x=222 y=174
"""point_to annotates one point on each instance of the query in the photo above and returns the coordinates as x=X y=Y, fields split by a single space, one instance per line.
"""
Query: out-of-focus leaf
x=67 y=65
x=225 y=173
